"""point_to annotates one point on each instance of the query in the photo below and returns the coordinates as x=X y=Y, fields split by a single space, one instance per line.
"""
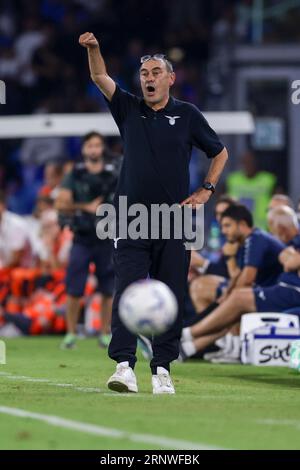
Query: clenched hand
x=88 y=40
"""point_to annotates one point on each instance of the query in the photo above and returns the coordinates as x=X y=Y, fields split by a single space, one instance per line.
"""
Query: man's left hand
x=230 y=249
x=199 y=197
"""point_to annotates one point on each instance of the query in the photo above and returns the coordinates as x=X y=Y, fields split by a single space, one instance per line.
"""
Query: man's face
x=280 y=231
x=231 y=230
x=92 y=151
x=156 y=80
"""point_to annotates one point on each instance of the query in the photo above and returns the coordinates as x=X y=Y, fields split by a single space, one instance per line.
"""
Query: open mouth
x=150 y=89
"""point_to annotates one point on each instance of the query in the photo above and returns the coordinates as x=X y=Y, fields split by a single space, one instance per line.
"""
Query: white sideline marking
x=24 y=378
x=96 y=430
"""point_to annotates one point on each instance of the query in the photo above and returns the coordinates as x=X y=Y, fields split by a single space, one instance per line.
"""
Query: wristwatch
x=209 y=186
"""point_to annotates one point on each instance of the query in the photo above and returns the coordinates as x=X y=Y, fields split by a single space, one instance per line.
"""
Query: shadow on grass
x=291 y=381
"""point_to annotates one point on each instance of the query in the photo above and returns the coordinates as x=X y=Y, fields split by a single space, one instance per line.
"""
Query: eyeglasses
x=145 y=58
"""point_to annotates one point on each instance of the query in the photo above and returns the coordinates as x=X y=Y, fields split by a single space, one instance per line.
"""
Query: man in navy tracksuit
x=158 y=133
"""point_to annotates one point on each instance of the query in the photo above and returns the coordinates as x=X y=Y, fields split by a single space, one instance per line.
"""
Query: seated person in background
x=15 y=249
x=38 y=294
x=55 y=243
x=283 y=224
x=283 y=295
x=206 y=288
x=256 y=263
x=251 y=254
x=18 y=262
x=33 y=221
x=207 y=277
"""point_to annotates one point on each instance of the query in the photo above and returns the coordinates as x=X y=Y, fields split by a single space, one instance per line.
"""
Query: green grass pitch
x=228 y=407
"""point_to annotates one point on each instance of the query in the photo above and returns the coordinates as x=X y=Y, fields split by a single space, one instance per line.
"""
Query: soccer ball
x=148 y=307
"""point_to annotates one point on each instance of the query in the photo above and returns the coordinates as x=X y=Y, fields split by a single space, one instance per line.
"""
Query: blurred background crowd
x=45 y=70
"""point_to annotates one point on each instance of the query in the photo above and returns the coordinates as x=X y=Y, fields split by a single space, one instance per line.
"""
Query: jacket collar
x=169 y=106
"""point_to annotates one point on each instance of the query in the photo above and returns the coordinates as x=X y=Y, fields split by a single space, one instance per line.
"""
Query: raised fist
x=88 y=40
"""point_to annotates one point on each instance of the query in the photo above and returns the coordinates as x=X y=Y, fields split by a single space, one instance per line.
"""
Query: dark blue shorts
x=221 y=287
x=82 y=254
x=276 y=298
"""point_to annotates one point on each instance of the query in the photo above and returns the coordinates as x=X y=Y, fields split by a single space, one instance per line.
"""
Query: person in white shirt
x=15 y=250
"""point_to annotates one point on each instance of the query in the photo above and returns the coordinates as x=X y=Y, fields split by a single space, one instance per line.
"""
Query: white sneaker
x=228 y=358
x=213 y=355
x=123 y=380
x=225 y=344
x=162 y=382
x=230 y=355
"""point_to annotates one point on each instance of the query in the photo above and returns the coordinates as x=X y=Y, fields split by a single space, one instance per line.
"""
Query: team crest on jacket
x=172 y=119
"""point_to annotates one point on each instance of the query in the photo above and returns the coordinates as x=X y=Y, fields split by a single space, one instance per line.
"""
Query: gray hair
x=169 y=65
x=283 y=215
